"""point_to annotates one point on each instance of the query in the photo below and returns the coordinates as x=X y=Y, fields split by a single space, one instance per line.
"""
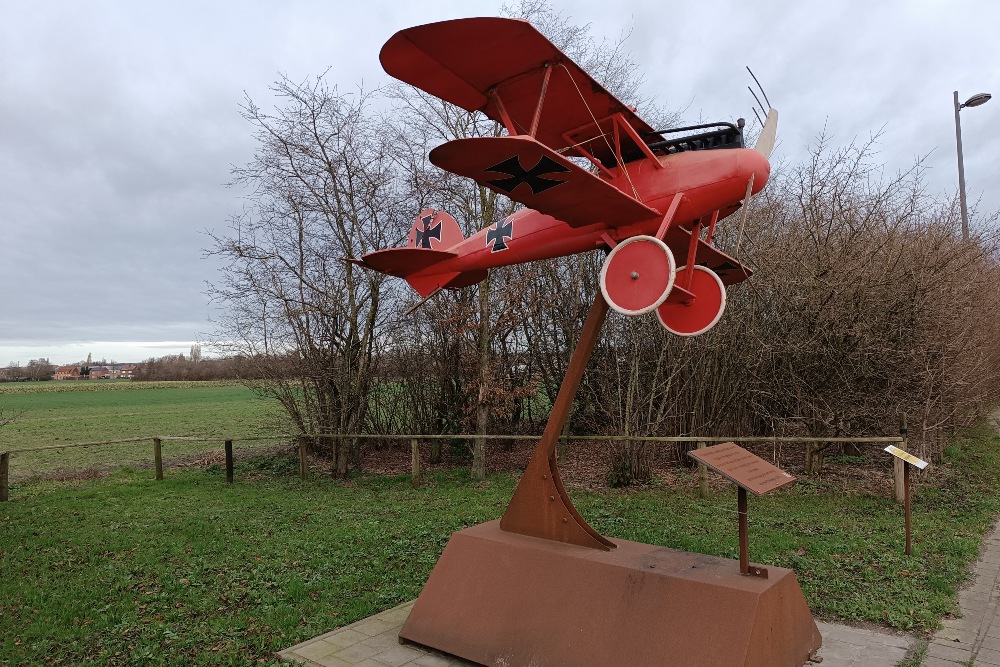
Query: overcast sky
x=119 y=122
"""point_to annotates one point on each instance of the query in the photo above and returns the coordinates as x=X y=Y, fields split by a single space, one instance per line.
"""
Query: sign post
x=909 y=460
x=750 y=473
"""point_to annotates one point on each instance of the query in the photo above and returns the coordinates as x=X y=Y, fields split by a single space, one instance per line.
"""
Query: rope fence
x=415 y=439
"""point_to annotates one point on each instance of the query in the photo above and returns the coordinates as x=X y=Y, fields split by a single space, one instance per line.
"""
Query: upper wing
x=464 y=60
x=538 y=177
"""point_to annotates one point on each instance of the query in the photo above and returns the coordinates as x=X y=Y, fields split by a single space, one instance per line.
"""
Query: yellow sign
x=906 y=456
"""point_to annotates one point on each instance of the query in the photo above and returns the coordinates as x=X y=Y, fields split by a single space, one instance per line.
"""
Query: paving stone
x=891 y=640
x=848 y=635
x=372 y=626
x=939 y=662
x=948 y=635
x=356 y=653
x=397 y=656
x=345 y=637
x=987 y=656
x=386 y=640
x=952 y=653
x=318 y=650
x=840 y=653
x=396 y=616
x=327 y=661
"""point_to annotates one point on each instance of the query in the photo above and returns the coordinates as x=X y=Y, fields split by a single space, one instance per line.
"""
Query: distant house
x=67 y=373
x=128 y=370
x=99 y=373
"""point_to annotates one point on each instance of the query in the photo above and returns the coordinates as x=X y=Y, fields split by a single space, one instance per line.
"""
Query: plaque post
x=741 y=509
x=909 y=461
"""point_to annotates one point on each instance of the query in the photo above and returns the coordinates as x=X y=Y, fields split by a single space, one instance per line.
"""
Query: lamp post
x=974 y=101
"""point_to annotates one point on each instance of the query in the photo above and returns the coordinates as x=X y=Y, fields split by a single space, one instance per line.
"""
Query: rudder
x=434 y=230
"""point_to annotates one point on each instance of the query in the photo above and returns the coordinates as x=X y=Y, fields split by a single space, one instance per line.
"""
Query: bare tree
x=322 y=187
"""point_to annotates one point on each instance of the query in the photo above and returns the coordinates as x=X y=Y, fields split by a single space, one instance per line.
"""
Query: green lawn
x=128 y=571
x=53 y=413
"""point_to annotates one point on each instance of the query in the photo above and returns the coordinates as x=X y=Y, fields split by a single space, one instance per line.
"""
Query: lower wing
x=534 y=175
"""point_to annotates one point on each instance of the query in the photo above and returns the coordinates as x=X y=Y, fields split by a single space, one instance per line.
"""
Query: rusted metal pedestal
x=498 y=598
x=541 y=587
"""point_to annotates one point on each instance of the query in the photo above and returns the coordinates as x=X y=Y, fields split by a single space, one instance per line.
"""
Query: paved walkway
x=373 y=642
x=973 y=639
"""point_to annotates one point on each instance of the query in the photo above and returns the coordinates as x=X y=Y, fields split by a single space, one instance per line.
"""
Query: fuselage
x=711 y=180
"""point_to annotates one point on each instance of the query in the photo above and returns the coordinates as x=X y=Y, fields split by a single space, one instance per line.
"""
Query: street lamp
x=974 y=101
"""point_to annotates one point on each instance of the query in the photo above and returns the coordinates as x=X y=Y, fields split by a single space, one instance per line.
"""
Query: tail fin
x=434 y=230
x=431 y=234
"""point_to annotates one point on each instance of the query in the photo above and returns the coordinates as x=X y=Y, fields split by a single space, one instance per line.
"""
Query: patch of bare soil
x=195 y=460
x=587 y=463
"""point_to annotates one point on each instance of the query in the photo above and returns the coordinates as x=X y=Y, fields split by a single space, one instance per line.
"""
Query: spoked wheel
x=700 y=313
x=637 y=275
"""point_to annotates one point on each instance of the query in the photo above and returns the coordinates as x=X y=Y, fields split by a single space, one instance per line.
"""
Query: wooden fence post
x=158 y=457
x=303 y=461
x=899 y=465
x=414 y=462
x=229 y=461
x=4 y=478
x=702 y=475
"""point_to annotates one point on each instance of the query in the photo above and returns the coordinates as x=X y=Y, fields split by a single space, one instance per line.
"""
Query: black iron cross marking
x=534 y=177
x=425 y=235
x=499 y=233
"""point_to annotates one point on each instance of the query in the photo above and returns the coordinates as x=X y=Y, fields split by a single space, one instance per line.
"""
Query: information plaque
x=744 y=469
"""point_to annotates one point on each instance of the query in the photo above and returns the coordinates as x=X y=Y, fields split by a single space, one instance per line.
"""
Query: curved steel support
x=540 y=506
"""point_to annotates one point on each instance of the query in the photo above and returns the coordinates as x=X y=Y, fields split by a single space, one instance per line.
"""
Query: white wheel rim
x=670 y=282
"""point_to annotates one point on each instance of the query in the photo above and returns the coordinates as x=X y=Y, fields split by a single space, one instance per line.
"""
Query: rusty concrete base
x=503 y=599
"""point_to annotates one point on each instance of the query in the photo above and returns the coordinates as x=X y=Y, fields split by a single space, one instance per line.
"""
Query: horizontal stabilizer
x=534 y=175
x=427 y=284
x=404 y=261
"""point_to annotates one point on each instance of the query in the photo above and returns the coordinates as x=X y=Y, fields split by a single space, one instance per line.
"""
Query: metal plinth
x=499 y=598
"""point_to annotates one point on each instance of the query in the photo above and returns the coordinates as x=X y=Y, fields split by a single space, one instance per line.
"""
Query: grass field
x=54 y=413
x=128 y=571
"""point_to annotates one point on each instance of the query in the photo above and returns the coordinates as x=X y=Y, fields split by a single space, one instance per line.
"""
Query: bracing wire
x=604 y=135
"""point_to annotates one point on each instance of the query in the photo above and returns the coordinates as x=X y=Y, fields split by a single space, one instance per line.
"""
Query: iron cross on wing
x=534 y=177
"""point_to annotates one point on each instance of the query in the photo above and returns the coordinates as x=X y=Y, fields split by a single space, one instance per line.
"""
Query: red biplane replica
x=541 y=586
x=652 y=198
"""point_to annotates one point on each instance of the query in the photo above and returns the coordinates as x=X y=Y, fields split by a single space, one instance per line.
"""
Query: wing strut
x=668 y=219
x=504 y=116
x=541 y=100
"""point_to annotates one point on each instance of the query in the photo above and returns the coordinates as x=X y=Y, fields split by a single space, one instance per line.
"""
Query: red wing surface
x=729 y=270
x=538 y=177
x=462 y=61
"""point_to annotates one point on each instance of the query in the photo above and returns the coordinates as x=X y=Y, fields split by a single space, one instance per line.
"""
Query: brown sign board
x=744 y=469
